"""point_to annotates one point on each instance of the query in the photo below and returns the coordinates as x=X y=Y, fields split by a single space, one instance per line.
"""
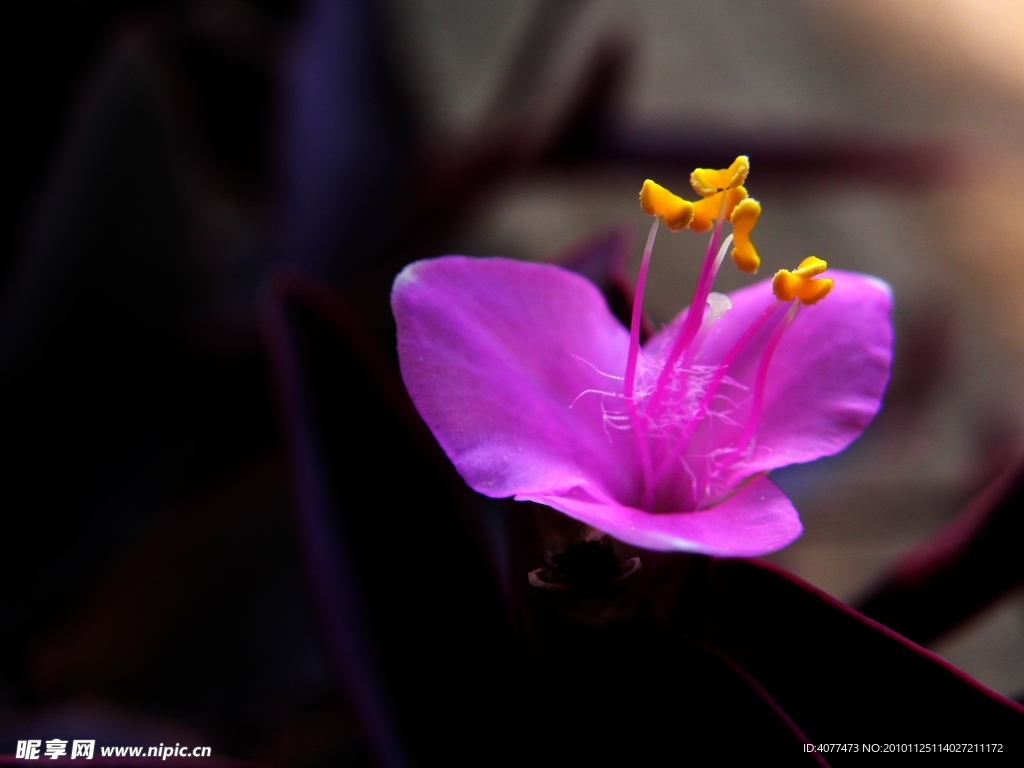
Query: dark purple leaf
x=841 y=676
x=959 y=571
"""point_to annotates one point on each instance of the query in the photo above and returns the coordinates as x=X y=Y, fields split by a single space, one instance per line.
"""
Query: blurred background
x=164 y=159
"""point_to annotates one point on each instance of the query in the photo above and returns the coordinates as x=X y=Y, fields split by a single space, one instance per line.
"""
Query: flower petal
x=757 y=519
x=826 y=379
x=496 y=354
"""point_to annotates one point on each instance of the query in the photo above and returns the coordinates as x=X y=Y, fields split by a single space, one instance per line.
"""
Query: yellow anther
x=675 y=212
x=744 y=217
x=799 y=284
x=707 y=181
x=812 y=266
x=706 y=211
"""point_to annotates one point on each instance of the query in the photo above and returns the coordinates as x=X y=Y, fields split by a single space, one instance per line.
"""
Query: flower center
x=670 y=398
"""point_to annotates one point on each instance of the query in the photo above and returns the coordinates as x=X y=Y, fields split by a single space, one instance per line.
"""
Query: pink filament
x=634 y=325
x=762 y=376
x=705 y=326
x=643 y=449
x=694 y=315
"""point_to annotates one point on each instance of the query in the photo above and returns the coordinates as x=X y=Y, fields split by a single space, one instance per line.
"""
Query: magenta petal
x=757 y=519
x=516 y=368
x=495 y=354
x=826 y=380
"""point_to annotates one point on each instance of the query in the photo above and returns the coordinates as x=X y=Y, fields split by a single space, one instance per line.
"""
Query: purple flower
x=535 y=390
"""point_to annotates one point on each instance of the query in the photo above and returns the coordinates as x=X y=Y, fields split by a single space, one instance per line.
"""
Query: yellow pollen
x=706 y=181
x=812 y=266
x=799 y=284
x=675 y=212
x=744 y=217
x=706 y=211
x=714 y=186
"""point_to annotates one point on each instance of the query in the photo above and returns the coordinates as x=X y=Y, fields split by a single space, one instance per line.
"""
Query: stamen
x=675 y=212
x=657 y=201
x=799 y=284
x=762 y=376
x=706 y=182
x=638 y=301
x=704 y=211
x=694 y=315
x=744 y=217
x=723 y=197
x=720 y=258
x=712 y=313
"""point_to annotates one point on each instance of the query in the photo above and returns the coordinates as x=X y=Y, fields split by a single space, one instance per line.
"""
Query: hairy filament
x=592 y=392
x=643 y=449
x=709 y=394
x=597 y=370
